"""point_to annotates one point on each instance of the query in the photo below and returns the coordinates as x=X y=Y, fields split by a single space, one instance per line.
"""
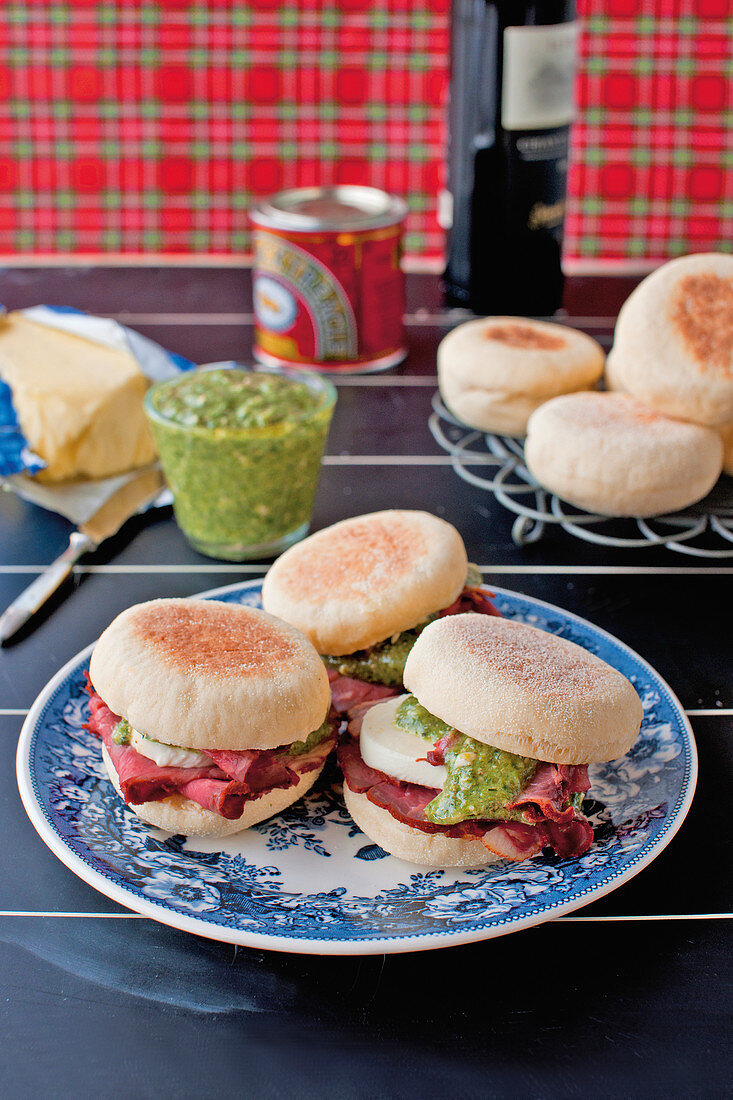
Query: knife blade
x=133 y=497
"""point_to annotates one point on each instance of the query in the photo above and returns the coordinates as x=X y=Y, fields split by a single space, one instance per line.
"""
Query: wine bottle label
x=537 y=179
x=445 y=209
x=537 y=83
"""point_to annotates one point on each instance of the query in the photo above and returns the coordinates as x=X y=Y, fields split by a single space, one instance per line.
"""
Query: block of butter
x=79 y=404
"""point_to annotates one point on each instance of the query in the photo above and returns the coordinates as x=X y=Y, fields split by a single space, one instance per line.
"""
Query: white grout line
x=412 y=320
x=447 y=318
x=490 y=570
x=419 y=265
x=405 y=460
x=600 y=570
x=556 y=920
x=248 y=569
x=580 y=265
x=126 y=259
x=387 y=380
x=652 y=916
x=411 y=265
x=94 y=916
x=712 y=712
x=183 y=319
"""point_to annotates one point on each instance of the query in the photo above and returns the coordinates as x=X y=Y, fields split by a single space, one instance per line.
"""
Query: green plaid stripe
x=154 y=126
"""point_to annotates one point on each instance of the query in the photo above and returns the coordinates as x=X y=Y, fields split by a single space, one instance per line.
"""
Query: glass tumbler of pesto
x=241 y=450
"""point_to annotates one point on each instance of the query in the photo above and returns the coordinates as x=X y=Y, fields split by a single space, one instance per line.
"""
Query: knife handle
x=35 y=595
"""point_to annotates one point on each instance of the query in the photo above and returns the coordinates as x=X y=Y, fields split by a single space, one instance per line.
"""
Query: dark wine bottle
x=511 y=101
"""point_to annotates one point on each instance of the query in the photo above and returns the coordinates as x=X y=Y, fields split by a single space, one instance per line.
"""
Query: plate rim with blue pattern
x=87 y=826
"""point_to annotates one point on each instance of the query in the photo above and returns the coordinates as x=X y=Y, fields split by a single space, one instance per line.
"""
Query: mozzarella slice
x=396 y=752
x=170 y=756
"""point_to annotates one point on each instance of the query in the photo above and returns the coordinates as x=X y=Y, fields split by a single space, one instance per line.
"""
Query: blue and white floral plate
x=308 y=880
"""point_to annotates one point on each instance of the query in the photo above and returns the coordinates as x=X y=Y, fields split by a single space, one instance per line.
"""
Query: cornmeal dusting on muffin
x=703 y=314
x=531 y=659
x=525 y=336
x=355 y=559
x=617 y=411
x=218 y=641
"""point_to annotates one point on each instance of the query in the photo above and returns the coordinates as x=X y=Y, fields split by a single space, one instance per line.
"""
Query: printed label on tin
x=275 y=306
x=302 y=310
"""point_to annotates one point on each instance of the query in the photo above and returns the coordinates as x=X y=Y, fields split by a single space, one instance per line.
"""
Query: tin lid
x=338 y=208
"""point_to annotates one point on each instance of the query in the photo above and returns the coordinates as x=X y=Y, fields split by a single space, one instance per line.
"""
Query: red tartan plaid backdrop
x=132 y=126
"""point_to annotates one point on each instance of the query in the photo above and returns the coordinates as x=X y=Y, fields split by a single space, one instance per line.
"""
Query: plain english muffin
x=726 y=434
x=366 y=579
x=487 y=753
x=610 y=454
x=673 y=346
x=212 y=716
x=494 y=372
x=523 y=690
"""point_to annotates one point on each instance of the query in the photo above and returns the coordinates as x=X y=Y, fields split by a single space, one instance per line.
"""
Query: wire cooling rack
x=697 y=532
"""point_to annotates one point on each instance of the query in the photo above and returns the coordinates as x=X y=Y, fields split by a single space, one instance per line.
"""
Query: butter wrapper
x=15 y=454
x=18 y=462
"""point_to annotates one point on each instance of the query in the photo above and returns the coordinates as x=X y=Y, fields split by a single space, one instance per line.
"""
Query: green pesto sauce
x=299 y=747
x=482 y=787
x=413 y=717
x=383 y=663
x=233 y=399
x=122 y=732
x=473 y=576
x=481 y=779
x=242 y=455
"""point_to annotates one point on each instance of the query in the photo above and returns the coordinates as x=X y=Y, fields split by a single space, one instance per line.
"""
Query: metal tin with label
x=328 y=287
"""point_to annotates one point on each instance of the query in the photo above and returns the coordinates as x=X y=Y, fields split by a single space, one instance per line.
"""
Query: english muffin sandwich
x=212 y=716
x=488 y=757
x=673 y=346
x=363 y=590
x=495 y=371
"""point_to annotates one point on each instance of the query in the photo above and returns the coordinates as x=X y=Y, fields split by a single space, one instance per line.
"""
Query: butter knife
x=133 y=497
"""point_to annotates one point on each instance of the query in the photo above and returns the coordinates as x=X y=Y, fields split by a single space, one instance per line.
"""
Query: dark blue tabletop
x=629 y=996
